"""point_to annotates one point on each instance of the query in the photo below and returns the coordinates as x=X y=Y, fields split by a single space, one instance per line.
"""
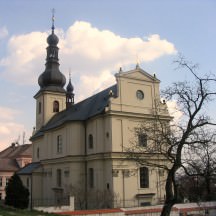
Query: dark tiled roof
x=18 y=151
x=7 y=164
x=81 y=111
x=29 y=168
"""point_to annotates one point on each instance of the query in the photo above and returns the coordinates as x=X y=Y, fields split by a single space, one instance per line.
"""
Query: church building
x=79 y=149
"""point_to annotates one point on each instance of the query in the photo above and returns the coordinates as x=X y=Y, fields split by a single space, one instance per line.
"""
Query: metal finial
x=69 y=73
x=137 y=61
x=120 y=69
x=53 y=20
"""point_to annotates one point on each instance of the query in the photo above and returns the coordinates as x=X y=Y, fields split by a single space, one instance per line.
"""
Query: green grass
x=7 y=211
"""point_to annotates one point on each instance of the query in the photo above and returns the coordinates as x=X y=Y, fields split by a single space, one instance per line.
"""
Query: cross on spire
x=53 y=20
x=69 y=73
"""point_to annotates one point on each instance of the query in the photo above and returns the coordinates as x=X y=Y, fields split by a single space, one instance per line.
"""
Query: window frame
x=91 y=178
x=39 y=107
x=59 y=145
x=55 y=106
x=38 y=153
x=144 y=177
x=142 y=139
x=140 y=94
x=90 y=141
x=7 y=181
x=58 y=177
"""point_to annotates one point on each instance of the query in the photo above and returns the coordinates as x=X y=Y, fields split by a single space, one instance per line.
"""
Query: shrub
x=16 y=194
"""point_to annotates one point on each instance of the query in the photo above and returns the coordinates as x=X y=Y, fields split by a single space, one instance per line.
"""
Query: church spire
x=69 y=93
x=52 y=79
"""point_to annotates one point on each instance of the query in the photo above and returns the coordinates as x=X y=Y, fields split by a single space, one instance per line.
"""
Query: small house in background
x=11 y=160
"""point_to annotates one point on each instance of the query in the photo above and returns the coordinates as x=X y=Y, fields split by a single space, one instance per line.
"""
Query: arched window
x=39 y=107
x=55 y=106
x=38 y=152
x=91 y=177
x=90 y=141
x=59 y=144
x=144 y=177
x=58 y=178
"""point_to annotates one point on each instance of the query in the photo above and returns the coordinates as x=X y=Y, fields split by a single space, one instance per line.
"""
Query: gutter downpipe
x=85 y=164
x=31 y=206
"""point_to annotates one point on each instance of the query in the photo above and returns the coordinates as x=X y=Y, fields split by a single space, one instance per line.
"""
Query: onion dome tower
x=69 y=94
x=51 y=96
x=52 y=79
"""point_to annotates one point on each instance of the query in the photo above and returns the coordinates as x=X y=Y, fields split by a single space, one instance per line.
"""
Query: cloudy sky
x=96 y=38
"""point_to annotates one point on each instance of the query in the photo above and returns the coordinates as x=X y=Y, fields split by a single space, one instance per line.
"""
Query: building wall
x=46 y=100
x=111 y=134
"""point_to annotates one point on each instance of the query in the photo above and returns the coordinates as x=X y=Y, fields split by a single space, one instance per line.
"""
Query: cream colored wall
x=37 y=143
x=100 y=128
x=112 y=133
x=102 y=173
x=73 y=142
x=126 y=182
x=72 y=176
x=128 y=84
x=46 y=99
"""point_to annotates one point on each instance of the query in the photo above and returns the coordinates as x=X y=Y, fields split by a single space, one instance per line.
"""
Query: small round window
x=140 y=94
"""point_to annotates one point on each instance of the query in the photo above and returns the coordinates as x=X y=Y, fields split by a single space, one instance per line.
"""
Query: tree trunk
x=170 y=192
x=167 y=209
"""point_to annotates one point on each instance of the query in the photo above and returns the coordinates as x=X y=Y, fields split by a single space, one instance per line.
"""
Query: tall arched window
x=38 y=152
x=144 y=177
x=39 y=107
x=90 y=141
x=55 y=106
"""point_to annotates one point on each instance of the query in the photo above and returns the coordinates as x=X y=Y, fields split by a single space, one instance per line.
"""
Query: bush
x=16 y=194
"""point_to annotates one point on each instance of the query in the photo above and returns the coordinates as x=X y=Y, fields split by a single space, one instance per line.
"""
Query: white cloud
x=25 y=58
x=174 y=111
x=92 y=55
x=3 y=32
x=10 y=130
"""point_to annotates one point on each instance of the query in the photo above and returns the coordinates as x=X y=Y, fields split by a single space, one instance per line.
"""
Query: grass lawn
x=4 y=211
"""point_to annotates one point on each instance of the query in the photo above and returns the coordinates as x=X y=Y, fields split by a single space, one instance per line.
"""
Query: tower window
x=39 y=107
x=91 y=177
x=144 y=177
x=90 y=141
x=55 y=106
x=59 y=144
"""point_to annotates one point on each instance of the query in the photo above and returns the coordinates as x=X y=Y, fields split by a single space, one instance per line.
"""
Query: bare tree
x=168 y=139
x=92 y=199
x=201 y=165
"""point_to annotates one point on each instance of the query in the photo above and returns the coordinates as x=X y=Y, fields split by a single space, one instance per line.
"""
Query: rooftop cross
x=137 y=61
x=53 y=20
x=69 y=73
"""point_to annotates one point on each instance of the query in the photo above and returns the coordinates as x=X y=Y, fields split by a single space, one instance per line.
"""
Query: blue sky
x=96 y=37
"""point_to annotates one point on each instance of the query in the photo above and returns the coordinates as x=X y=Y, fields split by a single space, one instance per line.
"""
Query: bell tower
x=51 y=98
